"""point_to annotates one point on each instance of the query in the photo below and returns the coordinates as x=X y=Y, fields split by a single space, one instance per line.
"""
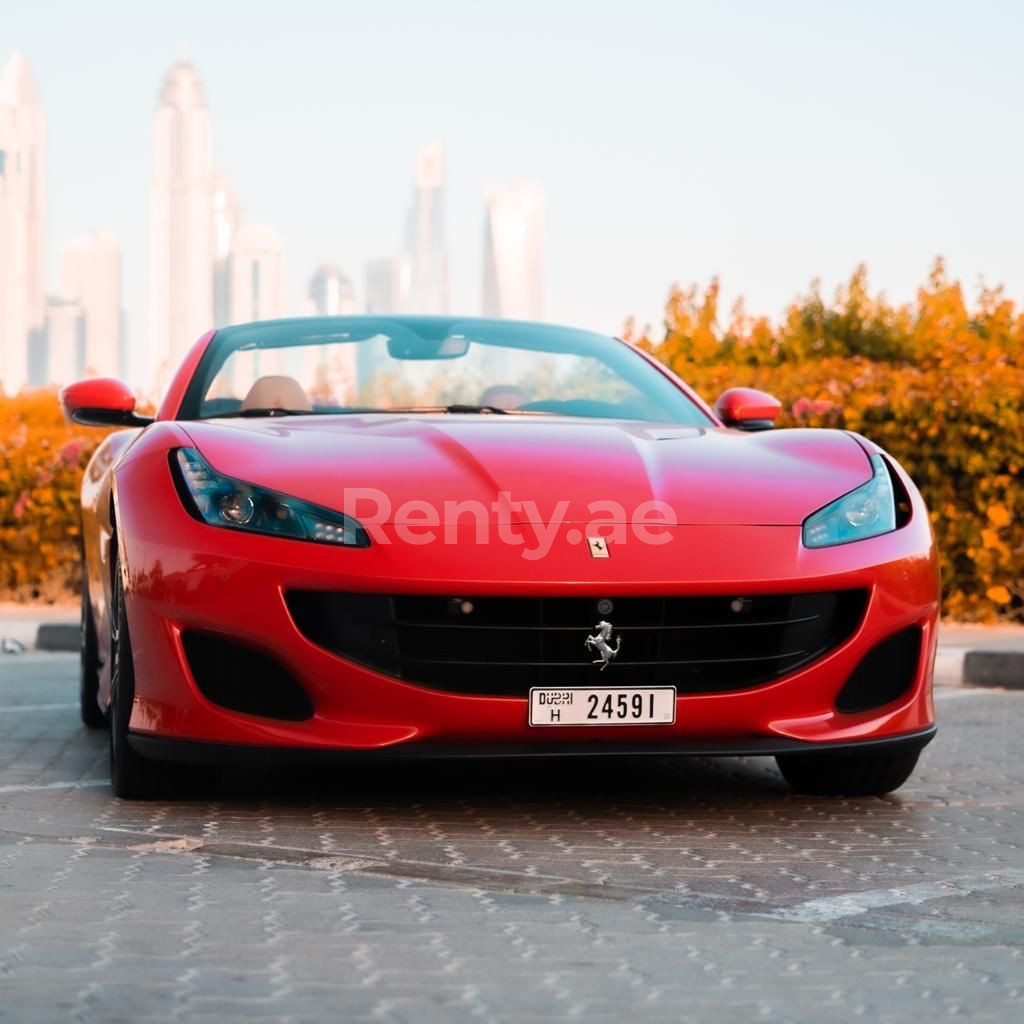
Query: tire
x=132 y=777
x=848 y=774
x=92 y=714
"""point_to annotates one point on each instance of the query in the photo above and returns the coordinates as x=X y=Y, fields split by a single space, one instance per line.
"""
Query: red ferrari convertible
x=441 y=537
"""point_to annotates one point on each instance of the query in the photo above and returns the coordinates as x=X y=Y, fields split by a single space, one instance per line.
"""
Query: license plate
x=652 y=705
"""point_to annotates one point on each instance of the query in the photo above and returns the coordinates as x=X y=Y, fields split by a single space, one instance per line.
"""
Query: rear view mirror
x=748 y=409
x=101 y=402
x=414 y=346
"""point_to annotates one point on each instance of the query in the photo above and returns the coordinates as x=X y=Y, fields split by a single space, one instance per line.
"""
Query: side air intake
x=240 y=678
x=884 y=674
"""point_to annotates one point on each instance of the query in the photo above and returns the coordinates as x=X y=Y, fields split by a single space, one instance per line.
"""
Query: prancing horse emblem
x=599 y=642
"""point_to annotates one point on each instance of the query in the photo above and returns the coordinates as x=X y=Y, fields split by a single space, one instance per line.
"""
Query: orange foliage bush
x=41 y=462
x=936 y=384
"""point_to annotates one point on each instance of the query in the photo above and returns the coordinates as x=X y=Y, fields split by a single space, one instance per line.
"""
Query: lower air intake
x=239 y=678
x=884 y=674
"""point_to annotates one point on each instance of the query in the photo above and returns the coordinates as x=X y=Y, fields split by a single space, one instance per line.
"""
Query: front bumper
x=199 y=752
x=185 y=575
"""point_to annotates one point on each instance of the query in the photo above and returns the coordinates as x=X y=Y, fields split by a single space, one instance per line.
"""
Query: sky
x=766 y=143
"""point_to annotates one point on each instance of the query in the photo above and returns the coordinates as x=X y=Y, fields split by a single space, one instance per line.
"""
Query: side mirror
x=101 y=402
x=747 y=409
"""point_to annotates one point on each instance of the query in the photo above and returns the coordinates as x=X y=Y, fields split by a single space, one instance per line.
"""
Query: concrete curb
x=57 y=636
x=39 y=635
x=28 y=627
x=994 y=668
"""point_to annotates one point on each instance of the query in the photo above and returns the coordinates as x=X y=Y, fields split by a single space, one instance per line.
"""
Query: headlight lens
x=868 y=511
x=221 y=500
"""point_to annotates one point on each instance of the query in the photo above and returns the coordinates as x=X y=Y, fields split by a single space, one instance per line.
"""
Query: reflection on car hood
x=709 y=476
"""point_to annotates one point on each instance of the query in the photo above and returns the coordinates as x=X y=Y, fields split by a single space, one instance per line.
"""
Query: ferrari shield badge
x=599 y=641
x=598 y=547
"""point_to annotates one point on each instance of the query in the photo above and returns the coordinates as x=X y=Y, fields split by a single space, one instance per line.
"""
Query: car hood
x=549 y=467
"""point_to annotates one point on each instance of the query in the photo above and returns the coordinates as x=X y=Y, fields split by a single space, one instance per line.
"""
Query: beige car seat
x=277 y=392
x=504 y=396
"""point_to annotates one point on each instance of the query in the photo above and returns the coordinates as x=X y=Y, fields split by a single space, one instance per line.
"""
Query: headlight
x=868 y=511
x=223 y=501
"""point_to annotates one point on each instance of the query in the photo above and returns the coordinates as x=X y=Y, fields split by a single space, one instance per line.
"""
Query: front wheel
x=848 y=774
x=89 y=667
x=132 y=777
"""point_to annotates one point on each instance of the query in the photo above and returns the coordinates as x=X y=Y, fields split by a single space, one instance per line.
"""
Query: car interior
x=276 y=392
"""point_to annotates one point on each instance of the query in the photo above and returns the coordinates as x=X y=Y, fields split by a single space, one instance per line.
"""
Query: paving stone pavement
x=656 y=890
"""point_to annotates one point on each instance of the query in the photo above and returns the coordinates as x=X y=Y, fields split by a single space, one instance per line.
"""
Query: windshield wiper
x=477 y=408
x=486 y=410
x=268 y=411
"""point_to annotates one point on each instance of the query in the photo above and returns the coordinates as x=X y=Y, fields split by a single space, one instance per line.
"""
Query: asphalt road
x=643 y=890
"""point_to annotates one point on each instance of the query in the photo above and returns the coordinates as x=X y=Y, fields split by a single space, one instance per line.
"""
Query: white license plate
x=609 y=705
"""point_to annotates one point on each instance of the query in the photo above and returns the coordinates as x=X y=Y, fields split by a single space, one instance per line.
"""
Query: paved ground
x=657 y=891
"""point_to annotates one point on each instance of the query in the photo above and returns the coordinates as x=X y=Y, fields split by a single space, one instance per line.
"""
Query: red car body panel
x=740 y=500
x=541 y=462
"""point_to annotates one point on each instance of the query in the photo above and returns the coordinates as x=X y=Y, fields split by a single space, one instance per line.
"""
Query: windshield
x=339 y=365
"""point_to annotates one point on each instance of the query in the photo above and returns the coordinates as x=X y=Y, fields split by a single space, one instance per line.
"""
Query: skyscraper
x=329 y=374
x=257 y=293
x=381 y=294
x=331 y=293
x=226 y=219
x=423 y=280
x=257 y=275
x=65 y=342
x=181 y=220
x=90 y=274
x=380 y=299
x=514 y=250
x=22 y=222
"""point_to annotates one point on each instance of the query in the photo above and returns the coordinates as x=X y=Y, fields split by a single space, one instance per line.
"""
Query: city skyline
x=750 y=142
x=22 y=224
x=208 y=266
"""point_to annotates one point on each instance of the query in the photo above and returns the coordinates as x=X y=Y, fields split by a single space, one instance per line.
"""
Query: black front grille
x=505 y=645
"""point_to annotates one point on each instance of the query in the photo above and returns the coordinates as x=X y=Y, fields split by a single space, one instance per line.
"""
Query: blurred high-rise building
x=514 y=250
x=226 y=219
x=331 y=293
x=381 y=298
x=381 y=287
x=65 y=342
x=330 y=374
x=423 y=281
x=181 y=220
x=22 y=224
x=90 y=275
x=257 y=293
x=257 y=275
